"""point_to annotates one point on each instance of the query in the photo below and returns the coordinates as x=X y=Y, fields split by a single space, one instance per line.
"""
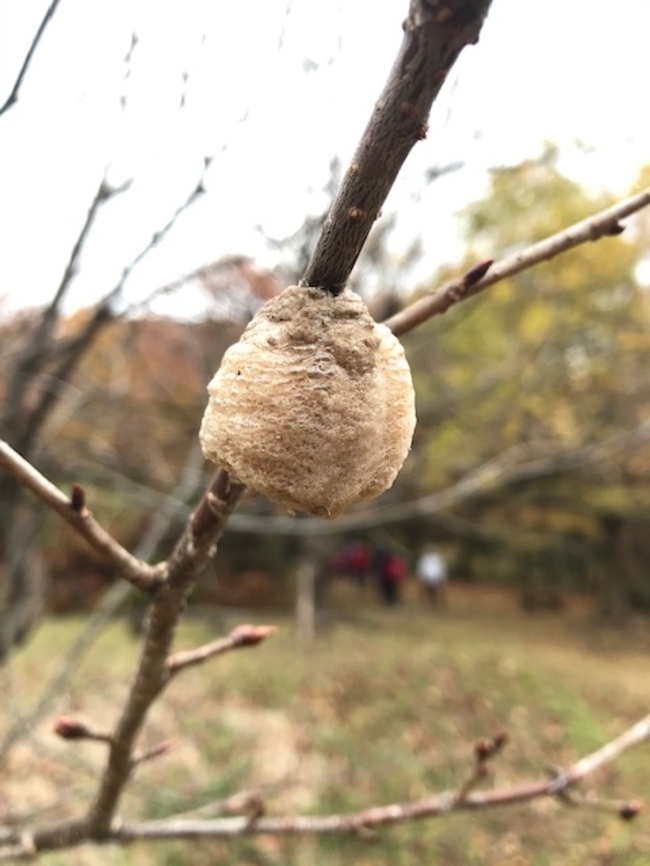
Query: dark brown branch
x=13 y=96
x=605 y=223
x=435 y=32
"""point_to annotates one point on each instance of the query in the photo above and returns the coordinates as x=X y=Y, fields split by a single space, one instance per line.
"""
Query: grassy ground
x=384 y=707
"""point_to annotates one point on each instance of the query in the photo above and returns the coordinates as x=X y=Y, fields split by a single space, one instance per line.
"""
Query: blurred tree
x=556 y=360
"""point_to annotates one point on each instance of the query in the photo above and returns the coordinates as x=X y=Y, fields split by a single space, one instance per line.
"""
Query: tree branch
x=137 y=572
x=161 y=519
x=195 y=547
x=605 y=223
x=69 y=353
x=558 y=785
x=37 y=349
x=13 y=96
x=435 y=32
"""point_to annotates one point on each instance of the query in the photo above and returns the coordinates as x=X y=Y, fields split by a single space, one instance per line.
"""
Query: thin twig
x=22 y=424
x=484 y=751
x=241 y=636
x=132 y=569
x=72 y=728
x=13 y=96
x=242 y=802
x=605 y=223
x=152 y=753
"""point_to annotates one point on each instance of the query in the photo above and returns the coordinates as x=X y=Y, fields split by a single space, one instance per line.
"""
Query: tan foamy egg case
x=314 y=406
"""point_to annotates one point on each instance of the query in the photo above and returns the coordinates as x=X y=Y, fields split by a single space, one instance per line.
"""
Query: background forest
x=551 y=362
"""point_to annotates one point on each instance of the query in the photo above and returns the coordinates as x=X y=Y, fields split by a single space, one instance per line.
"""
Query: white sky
x=554 y=70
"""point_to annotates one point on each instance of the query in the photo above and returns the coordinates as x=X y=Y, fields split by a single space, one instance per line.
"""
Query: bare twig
x=72 y=728
x=484 y=751
x=71 y=351
x=154 y=752
x=242 y=802
x=627 y=810
x=605 y=223
x=435 y=32
x=71 y=833
x=170 y=509
x=137 y=572
x=241 y=636
x=13 y=96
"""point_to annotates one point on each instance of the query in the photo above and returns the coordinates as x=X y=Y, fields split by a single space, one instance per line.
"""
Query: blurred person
x=432 y=574
x=391 y=572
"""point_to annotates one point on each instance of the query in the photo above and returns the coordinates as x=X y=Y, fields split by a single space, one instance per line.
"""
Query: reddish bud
x=485 y=748
x=163 y=748
x=78 y=498
x=475 y=274
x=630 y=810
x=69 y=728
x=249 y=635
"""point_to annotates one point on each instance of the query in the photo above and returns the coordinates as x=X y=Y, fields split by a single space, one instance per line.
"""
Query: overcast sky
x=273 y=89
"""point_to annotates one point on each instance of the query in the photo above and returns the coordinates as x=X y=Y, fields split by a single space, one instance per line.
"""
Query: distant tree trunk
x=614 y=569
x=22 y=578
x=312 y=578
x=306 y=579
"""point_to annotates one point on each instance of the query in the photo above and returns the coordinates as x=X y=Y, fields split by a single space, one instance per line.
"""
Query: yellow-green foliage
x=556 y=356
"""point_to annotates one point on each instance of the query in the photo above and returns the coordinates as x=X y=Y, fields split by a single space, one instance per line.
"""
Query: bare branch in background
x=434 y=35
x=521 y=463
x=13 y=96
x=37 y=351
x=68 y=353
x=603 y=224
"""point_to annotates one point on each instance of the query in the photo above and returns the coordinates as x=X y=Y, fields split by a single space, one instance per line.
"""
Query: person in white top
x=431 y=572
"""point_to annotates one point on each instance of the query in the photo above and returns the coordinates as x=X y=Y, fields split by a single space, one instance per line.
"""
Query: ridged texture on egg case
x=314 y=406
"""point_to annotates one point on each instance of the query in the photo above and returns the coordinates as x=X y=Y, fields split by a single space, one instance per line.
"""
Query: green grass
x=385 y=707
